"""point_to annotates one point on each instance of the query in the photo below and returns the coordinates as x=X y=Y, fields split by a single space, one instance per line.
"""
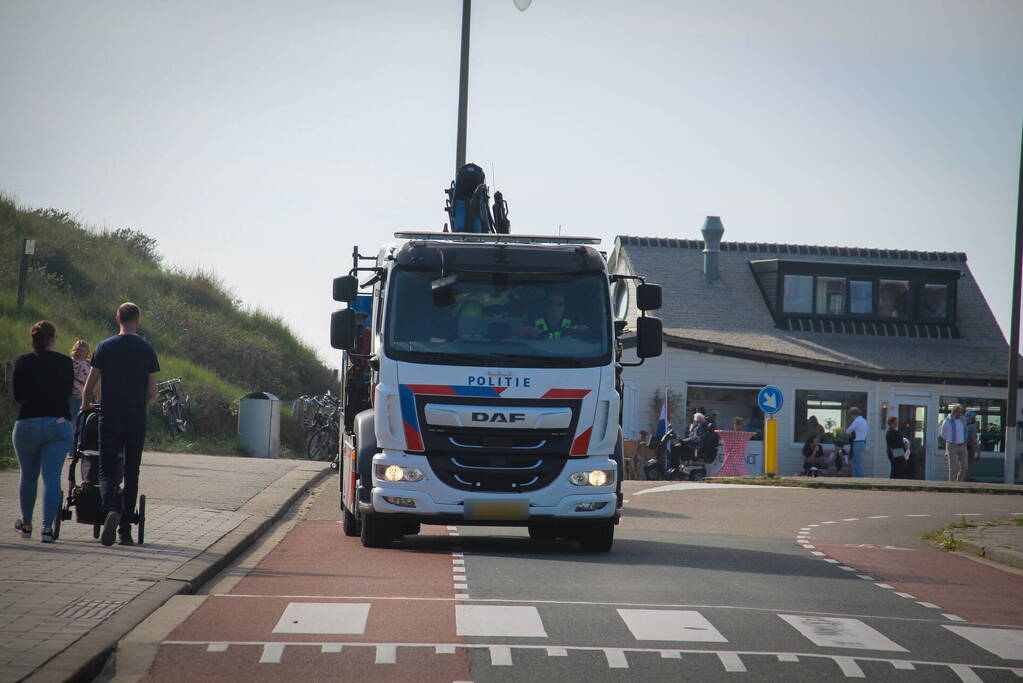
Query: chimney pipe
x=712 y=232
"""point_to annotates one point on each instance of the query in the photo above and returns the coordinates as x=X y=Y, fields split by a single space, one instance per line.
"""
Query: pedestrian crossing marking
x=331 y=648
x=272 y=653
x=965 y=673
x=616 y=658
x=335 y=618
x=675 y=625
x=500 y=656
x=849 y=667
x=731 y=662
x=841 y=632
x=386 y=654
x=1003 y=642
x=498 y=620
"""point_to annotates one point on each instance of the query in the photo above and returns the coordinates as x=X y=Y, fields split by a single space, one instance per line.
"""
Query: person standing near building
x=857 y=431
x=954 y=432
x=896 y=446
x=126 y=364
x=42 y=431
x=972 y=438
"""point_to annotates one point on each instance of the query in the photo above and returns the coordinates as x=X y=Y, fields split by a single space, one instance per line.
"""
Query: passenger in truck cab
x=553 y=324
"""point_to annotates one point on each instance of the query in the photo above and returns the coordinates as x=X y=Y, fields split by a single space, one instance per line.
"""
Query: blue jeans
x=117 y=434
x=41 y=444
x=856 y=454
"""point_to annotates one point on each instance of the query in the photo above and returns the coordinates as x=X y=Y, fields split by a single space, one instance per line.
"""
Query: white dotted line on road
x=804 y=541
x=458 y=577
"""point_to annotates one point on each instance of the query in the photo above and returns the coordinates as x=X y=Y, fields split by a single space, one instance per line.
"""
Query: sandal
x=25 y=529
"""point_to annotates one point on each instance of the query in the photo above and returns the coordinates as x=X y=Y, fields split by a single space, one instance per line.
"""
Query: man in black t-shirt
x=126 y=364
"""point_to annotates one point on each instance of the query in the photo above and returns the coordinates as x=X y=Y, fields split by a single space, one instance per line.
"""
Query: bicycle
x=174 y=406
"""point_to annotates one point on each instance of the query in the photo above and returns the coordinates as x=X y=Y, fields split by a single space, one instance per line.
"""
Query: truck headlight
x=592 y=478
x=399 y=473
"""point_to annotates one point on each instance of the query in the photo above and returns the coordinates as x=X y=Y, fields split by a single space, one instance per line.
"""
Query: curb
x=84 y=659
x=831 y=483
x=1013 y=558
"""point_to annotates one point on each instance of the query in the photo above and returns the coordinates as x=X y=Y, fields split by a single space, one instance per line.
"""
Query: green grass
x=944 y=538
x=78 y=277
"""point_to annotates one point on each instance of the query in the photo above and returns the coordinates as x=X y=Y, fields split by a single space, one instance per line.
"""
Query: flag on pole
x=664 y=420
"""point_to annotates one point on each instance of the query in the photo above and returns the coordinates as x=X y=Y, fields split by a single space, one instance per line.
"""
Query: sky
x=263 y=140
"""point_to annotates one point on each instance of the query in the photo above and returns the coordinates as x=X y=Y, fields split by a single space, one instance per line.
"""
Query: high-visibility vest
x=553 y=333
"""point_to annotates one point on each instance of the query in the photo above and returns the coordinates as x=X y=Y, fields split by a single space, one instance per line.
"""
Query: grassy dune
x=79 y=276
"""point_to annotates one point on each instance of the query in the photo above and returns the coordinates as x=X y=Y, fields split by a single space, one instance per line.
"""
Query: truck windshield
x=499 y=319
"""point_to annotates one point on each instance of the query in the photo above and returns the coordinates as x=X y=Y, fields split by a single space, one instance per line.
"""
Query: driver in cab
x=552 y=324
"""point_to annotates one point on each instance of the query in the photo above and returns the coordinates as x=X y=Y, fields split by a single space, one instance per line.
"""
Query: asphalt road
x=705 y=582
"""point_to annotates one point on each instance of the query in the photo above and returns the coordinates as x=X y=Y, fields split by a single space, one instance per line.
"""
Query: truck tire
x=597 y=537
x=377 y=532
x=365 y=449
x=350 y=523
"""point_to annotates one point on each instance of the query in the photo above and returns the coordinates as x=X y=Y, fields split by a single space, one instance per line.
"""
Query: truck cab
x=491 y=385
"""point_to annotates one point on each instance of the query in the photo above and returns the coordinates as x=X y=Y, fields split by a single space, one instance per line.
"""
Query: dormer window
x=805 y=295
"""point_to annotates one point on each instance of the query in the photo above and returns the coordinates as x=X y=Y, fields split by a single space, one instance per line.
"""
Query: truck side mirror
x=346 y=288
x=648 y=336
x=342 y=329
x=648 y=297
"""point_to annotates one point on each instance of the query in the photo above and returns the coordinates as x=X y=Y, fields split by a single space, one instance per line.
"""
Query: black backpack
x=711 y=441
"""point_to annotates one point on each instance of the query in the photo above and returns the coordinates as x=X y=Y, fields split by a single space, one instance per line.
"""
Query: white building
x=901 y=333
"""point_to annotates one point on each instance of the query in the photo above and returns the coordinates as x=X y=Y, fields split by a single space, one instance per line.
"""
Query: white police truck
x=482 y=384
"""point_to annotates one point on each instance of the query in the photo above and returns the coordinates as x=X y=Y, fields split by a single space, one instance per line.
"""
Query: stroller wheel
x=141 y=515
x=96 y=528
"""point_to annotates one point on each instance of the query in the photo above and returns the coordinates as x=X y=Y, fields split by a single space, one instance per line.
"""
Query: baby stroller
x=84 y=497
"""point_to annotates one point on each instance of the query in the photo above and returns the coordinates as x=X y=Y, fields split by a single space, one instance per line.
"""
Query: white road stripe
x=386 y=654
x=827 y=522
x=216 y=647
x=457 y=554
x=812 y=526
x=903 y=666
x=929 y=605
x=557 y=652
x=1003 y=642
x=731 y=662
x=841 y=632
x=851 y=519
x=498 y=620
x=616 y=658
x=461 y=596
x=865 y=577
x=965 y=673
x=908 y=596
x=458 y=570
x=457 y=562
x=817 y=553
x=785 y=657
x=847 y=569
x=884 y=585
x=500 y=655
x=953 y=617
x=444 y=649
x=452 y=528
x=671 y=654
x=335 y=618
x=849 y=667
x=828 y=559
x=272 y=653
x=674 y=625
x=918 y=515
x=331 y=648
x=878 y=517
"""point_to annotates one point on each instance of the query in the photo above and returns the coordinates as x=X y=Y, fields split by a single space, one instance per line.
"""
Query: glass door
x=913 y=426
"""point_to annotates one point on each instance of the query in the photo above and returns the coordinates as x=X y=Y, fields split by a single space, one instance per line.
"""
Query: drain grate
x=88 y=609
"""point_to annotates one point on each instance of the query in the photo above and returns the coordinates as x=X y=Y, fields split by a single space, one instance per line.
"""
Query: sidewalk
x=64 y=606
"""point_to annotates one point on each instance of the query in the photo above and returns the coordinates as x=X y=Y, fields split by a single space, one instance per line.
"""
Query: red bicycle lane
x=319 y=606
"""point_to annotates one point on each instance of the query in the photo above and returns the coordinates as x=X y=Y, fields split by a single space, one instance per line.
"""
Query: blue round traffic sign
x=770 y=399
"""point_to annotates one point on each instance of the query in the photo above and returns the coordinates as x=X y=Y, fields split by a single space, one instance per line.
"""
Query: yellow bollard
x=771 y=447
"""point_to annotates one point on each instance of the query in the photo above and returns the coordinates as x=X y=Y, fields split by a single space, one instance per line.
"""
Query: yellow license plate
x=496 y=509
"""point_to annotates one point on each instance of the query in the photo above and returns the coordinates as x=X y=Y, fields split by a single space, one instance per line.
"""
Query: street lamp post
x=463 y=80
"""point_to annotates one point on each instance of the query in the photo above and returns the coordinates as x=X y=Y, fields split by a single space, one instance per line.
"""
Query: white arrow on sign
x=770 y=400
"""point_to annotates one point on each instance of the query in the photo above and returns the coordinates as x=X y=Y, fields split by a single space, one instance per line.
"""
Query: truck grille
x=496 y=473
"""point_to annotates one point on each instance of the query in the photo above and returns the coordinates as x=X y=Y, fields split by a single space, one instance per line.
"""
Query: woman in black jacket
x=897 y=455
x=42 y=433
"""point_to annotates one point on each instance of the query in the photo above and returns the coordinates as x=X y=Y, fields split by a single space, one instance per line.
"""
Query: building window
x=861 y=297
x=726 y=403
x=826 y=414
x=798 y=294
x=990 y=414
x=831 y=295
x=935 y=304
x=893 y=298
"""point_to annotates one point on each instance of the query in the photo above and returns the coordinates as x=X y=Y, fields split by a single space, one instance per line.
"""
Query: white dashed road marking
x=1003 y=642
x=841 y=632
x=499 y=620
x=336 y=618
x=675 y=625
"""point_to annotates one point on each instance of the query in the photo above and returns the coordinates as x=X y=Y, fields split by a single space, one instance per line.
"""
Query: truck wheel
x=377 y=532
x=542 y=532
x=597 y=537
x=350 y=523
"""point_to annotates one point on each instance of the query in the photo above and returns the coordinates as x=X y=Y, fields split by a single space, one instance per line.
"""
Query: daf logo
x=498 y=417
